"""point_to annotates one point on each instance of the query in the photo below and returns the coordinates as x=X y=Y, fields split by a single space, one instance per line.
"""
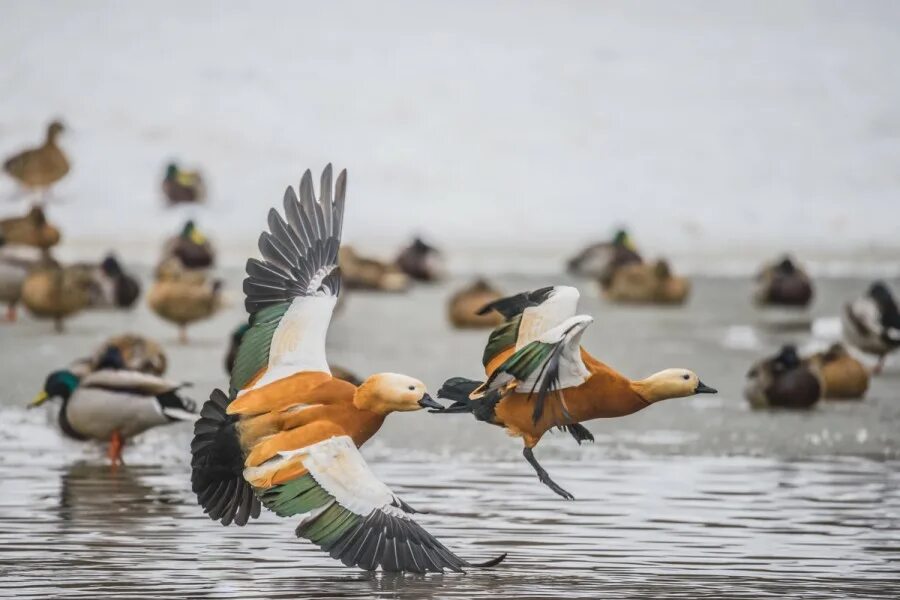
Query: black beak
x=428 y=402
x=702 y=388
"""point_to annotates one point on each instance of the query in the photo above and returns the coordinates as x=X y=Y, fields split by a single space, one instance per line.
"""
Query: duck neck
x=64 y=422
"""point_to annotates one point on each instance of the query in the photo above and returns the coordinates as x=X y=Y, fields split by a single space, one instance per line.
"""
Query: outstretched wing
x=549 y=363
x=349 y=513
x=292 y=291
x=528 y=316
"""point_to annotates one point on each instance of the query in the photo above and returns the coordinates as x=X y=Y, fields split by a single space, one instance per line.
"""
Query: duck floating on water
x=183 y=187
x=600 y=261
x=53 y=291
x=113 y=404
x=843 y=377
x=287 y=433
x=41 y=167
x=782 y=381
x=539 y=377
x=421 y=261
x=465 y=307
x=783 y=283
x=363 y=273
x=32 y=229
x=641 y=283
x=872 y=323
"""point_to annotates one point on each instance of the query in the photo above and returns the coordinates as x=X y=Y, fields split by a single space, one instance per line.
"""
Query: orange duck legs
x=116 y=443
x=543 y=476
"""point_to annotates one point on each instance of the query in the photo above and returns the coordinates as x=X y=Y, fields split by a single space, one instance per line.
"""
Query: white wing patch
x=299 y=340
x=572 y=370
x=537 y=320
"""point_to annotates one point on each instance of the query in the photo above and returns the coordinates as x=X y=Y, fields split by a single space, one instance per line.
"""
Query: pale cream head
x=671 y=383
x=385 y=393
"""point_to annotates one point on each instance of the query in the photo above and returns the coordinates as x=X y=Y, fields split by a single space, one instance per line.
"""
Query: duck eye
x=685 y=376
x=412 y=388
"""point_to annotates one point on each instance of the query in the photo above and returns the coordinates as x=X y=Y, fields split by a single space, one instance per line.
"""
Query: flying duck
x=539 y=377
x=872 y=323
x=782 y=381
x=112 y=403
x=843 y=377
x=783 y=283
x=182 y=187
x=40 y=167
x=286 y=435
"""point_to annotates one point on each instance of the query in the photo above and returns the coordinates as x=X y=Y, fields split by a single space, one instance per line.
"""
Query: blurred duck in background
x=782 y=381
x=39 y=168
x=189 y=250
x=185 y=301
x=52 y=291
x=872 y=323
x=364 y=273
x=113 y=403
x=843 y=377
x=600 y=261
x=783 y=283
x=138 y=353
x=539 y=377
x=112 y=286
x=32 y=229
x=183 y=187
x=421 y=261
x=644 y=283
x=470 y=306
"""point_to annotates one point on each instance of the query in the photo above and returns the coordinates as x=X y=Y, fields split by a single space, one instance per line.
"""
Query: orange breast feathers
x=298 y=411
x=606 y=393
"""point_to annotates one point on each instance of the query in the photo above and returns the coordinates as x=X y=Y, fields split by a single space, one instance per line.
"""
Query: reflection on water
x=662 y=527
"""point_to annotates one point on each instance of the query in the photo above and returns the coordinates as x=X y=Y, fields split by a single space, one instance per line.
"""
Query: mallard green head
x=190 y=232
x=171 y=171
x=59 y=384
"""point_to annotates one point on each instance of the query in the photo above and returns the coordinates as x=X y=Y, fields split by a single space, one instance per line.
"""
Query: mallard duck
x=782 y=381
x=644 y=283
x=32 y=229
x=421 y=261
x=52 y=291
x=842 y=375
x=872 y=323
x=190 y=248
x=184 y=302
x=183 y=187
x=465 y=307
x=138 y=353
x=40 y=167
x=600 y=261
x=287 y=433
x=111 y=286
x=15 y=263
x=364 y=273
x=114 y=404
x=539 y=377
x=783 y=283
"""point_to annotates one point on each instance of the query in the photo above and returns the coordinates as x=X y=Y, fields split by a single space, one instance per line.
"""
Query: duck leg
x=879 y=366
x=116 y=442
x=58 y=325
x=11 y=312
x=182 y=334
x=543 y=476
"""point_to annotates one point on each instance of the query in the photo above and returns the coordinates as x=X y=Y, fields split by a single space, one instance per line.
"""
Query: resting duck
x=600 y=261
x=465 y=306
x=190 y=248
x=783 y=284
x=287 y=433
x=114 y=404
x=138 y=353
x=539 y=377
x=842 y=376
x=32 y=229
x=363 y=273
x=782 y=381
x=872 y=323
x=15 y=263
x=40 y=167
x=52 y=291
x=183 y=187
x=643 y=283
x=421 y=261
x=185 y=302
x=111 y=286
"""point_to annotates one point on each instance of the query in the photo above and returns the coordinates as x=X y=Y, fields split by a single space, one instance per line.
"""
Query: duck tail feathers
x=458 y=390
x=217 y=466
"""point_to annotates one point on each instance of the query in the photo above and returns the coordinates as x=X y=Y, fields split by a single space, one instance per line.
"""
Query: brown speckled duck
x=41 y=167
x=642 y=283
x=32 y=229
x=52 y=291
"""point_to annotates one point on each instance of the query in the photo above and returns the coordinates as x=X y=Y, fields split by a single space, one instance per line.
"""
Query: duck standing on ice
x=872 y=323
x=539 y=377
x=287 y=434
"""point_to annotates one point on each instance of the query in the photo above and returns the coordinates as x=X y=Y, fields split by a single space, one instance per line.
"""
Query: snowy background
x=720 y=132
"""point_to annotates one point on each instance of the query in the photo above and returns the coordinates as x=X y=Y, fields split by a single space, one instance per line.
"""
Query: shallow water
x=690 y=497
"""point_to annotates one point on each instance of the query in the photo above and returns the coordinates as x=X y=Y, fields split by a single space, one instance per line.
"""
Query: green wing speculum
x=253 y=353
x=538 y=364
